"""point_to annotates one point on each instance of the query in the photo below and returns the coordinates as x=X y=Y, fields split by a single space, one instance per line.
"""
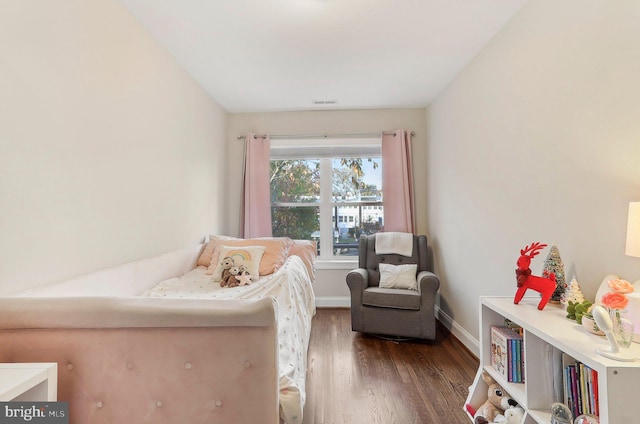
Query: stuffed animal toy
x=227 y=263
x=244 y=277
x=244 y=270
x=232 y=281
x=514 y=415
x=497 y=402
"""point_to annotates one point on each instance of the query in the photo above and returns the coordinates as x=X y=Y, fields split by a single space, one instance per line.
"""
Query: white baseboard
x=461 y=334
x=333 y=302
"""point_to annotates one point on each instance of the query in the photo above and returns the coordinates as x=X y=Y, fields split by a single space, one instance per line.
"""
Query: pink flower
x=620 y=286
x=613 y=300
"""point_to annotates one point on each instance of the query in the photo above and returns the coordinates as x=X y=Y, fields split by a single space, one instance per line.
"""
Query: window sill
x=337 y=263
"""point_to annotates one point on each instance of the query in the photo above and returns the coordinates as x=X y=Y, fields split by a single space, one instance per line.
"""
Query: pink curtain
x=397 y=182
x=256 y=199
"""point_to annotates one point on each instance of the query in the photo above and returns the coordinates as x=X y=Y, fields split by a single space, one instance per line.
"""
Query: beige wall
x=538 y=139
x=109 y=151
x=331 y=283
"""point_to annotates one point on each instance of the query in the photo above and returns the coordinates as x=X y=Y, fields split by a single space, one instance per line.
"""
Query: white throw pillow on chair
x=398 y=276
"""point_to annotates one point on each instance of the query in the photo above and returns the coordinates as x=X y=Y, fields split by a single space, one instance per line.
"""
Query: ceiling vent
x=324 y=102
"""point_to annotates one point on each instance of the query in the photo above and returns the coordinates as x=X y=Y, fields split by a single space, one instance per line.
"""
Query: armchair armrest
x=358 y=280
x=428 y=283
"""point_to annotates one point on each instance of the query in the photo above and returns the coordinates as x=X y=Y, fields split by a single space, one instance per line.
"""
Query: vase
x=622 y=328
x=590 y=325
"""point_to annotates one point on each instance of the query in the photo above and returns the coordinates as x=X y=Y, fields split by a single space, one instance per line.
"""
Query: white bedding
x=291 y=287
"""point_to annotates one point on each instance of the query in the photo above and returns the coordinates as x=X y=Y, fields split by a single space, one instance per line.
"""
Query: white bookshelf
x=28 y=382
x=617 y=391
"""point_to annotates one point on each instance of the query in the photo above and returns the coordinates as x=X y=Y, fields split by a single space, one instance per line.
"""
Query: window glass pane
x=295 y=181
x=356 y=183
x=345 y=236
x=301 y=222
x=357 y=179
x=350 y=202
x=354 y=220
x=372 y=219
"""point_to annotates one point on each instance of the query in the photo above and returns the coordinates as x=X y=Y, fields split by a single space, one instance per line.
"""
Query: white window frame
x=325 y=150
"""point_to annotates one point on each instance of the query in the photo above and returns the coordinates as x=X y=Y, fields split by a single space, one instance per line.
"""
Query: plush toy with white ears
x=498 y=400
x=514 y=415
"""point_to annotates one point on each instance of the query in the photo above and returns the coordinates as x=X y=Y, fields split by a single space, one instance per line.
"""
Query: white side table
x=36 y=382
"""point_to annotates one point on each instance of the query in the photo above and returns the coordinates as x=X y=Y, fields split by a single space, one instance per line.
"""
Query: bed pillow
x=276 y=251
x=398 y=276
x=207 y=254
x=248 y=256
x=205 y=257
x=307 y=250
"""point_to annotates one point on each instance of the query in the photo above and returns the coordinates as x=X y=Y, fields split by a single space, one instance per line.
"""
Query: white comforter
x=291 y=287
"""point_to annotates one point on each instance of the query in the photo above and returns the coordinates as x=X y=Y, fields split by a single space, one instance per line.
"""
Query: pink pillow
x=207 y=254
x=275 y=254
x=307 y=251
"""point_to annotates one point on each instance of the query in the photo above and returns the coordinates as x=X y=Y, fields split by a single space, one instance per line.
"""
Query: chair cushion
x=398 y=276
x=370 y=261
x=391 y=298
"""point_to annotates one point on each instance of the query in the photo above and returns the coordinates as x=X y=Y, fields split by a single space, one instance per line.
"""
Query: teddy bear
x=498 y=400
x=233 y=281
x=244 y=270
x=227 y=263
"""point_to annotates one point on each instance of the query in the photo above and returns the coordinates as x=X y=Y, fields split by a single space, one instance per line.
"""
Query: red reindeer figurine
x=544 y=286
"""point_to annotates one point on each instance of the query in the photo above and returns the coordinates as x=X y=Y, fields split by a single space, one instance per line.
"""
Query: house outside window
x=320 y=189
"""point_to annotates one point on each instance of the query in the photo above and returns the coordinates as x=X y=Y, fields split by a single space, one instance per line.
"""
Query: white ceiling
x=281 y=55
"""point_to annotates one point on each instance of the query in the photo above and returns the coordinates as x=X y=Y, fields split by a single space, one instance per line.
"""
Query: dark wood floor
x=359 y=379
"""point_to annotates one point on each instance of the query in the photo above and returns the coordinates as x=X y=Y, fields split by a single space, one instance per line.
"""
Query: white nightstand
x=29 y=382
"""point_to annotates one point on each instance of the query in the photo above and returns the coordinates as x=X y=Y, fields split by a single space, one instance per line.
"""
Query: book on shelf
x=513 y=326
x=580 y=384
x=506 y=353
x=518 y=362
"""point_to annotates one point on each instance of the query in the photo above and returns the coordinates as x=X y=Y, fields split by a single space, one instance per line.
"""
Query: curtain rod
x=356 y=135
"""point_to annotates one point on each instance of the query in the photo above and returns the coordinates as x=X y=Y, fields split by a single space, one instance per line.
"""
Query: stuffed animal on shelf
x=233 y=281
x=227 y=263
x=514 y=415
x=492 y=410
x=544 y=286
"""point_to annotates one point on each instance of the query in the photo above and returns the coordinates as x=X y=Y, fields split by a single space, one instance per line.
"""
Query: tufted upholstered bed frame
x=126 y=359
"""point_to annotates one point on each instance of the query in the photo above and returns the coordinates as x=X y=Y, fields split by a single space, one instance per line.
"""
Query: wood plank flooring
x=359 y=379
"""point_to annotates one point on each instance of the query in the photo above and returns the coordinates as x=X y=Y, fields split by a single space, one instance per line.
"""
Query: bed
x=159 y=341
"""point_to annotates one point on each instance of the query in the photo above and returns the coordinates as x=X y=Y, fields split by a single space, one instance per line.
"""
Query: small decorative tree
x=553 y=264
x=573 y=293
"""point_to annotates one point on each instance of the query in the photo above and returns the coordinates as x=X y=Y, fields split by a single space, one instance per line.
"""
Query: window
x=320 y=190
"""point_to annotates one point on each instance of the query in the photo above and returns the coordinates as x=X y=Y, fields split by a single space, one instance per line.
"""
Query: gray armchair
x=393 y=312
